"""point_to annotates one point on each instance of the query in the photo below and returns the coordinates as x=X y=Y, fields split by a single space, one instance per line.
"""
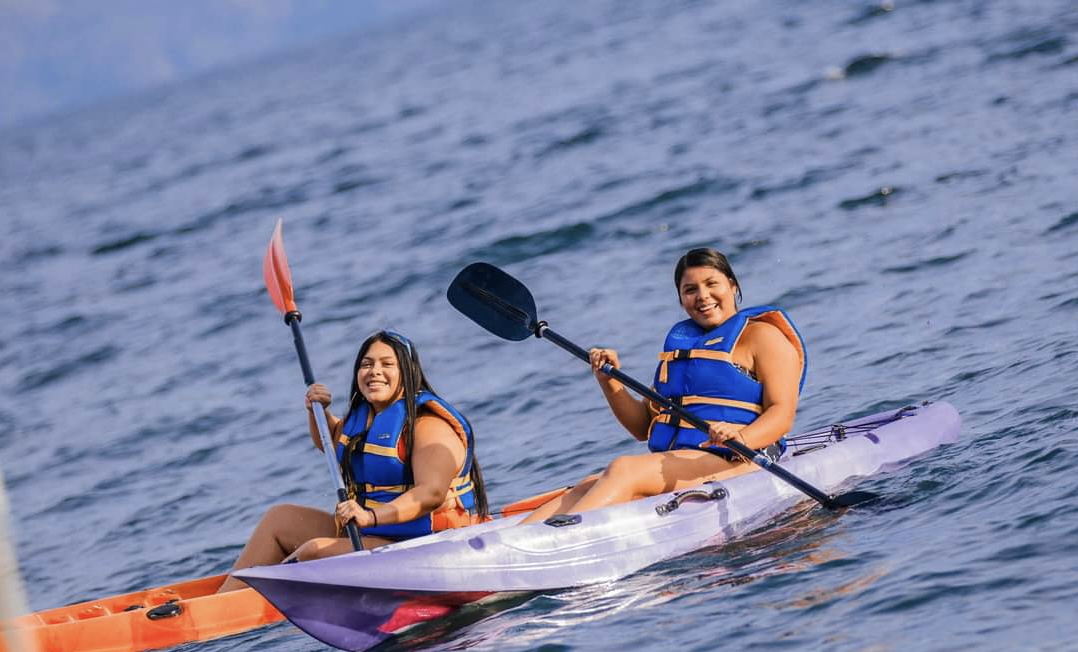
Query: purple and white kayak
x=356 y=601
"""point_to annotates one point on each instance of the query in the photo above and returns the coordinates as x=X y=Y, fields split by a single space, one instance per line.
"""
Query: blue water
x=900 y=178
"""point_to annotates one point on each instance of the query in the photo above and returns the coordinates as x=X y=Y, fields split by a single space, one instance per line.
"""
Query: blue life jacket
x=696 y=370
x=382 y=472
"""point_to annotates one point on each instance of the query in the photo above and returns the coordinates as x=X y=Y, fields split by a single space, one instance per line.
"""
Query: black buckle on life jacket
x=675 y=421
x=682 y=354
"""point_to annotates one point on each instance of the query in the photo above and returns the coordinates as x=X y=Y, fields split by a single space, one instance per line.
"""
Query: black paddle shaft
x=543 y=331
x=292 y=319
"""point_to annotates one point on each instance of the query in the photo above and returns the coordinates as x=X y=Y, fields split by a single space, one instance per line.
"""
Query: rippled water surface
x=900 y=177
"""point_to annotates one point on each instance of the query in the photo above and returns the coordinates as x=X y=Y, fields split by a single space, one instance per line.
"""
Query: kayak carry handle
x=718 y=493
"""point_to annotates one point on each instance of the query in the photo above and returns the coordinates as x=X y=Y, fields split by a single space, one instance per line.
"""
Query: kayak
x=360 y=599
x=147 y=620
x=169 y=615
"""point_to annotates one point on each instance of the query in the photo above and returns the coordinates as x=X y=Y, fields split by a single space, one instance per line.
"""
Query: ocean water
x=900 y=177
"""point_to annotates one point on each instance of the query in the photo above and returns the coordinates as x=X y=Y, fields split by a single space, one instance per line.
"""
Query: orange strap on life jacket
x=447 y=518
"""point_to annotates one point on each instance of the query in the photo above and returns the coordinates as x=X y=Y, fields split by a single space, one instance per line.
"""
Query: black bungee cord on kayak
x=836 y=432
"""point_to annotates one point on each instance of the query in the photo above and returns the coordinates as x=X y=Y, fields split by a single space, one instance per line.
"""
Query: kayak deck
x=147 y=620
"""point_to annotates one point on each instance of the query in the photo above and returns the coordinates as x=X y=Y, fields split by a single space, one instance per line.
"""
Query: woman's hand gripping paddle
x=279 y=283
x=502 y=305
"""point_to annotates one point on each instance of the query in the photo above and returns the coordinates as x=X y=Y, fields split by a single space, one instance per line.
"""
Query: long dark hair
x=705 y=257
x=413 y=381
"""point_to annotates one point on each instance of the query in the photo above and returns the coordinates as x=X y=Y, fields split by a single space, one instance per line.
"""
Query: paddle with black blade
x=501 y=304
x=279 y=283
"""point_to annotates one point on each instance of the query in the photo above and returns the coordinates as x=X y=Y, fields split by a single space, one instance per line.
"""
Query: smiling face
x=707 y=295
x=379 y=376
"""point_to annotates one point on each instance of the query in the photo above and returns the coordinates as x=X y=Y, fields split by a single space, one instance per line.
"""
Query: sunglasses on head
x=402 y=339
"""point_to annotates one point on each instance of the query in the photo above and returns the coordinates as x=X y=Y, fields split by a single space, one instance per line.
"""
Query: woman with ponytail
x=739 y=369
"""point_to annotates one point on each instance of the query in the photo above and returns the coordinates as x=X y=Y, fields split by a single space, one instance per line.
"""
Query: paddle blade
x=494 y=300
x=275 y=271
x=851 y=498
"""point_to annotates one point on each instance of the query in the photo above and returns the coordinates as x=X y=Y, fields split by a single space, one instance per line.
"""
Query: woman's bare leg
x=562 y=504
x=635 y=476
x=321 y=547
x=282 y=530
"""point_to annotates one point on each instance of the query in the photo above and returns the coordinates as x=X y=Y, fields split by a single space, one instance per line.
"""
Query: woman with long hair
x=407 y=456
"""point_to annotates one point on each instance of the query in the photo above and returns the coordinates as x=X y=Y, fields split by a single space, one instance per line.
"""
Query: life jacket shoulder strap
x=462 y=483
x=443 y=410
x=779 y=320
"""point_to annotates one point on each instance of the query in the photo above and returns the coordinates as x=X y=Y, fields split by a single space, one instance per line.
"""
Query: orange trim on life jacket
x=780 y=322
x=707 y=400
x=457 y=427
x=461 y=484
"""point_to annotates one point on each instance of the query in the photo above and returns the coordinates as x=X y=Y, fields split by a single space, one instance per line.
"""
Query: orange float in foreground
x=146 y=620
